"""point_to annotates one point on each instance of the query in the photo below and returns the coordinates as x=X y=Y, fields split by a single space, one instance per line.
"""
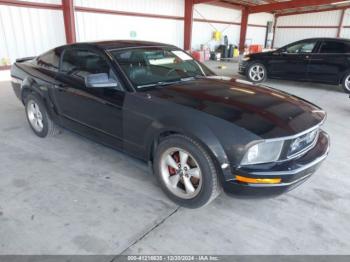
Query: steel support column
x=188 y=23
x=69 y=21
x=244 y=25
x=341 y=21
x=274 y=31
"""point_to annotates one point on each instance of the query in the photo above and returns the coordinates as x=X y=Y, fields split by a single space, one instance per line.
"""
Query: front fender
x=194 y=129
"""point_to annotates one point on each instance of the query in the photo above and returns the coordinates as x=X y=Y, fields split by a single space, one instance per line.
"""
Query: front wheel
x=186 y=172
x=257 y=73
x=346 y=83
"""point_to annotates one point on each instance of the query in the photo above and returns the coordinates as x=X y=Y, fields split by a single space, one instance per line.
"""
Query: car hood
x=261 y=54
x=264 y=111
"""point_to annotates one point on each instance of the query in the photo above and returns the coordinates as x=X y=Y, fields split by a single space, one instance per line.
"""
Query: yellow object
x=5 y=61
x=235 y=52
x=217 y=36
x=222 y=67
x=258 y=180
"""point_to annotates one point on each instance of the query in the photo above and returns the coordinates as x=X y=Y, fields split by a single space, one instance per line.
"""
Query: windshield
x=154 y=66
x=302 y=47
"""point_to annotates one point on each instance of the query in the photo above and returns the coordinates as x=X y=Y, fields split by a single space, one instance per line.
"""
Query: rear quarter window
x=334 y=47
x=49 y=60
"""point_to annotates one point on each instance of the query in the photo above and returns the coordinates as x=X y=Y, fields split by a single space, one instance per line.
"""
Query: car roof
x=121 y=44
x=327 y=38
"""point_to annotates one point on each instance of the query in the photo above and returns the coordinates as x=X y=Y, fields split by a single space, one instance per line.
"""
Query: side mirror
x=280 y=52
x=283 y=51
x=100 y=81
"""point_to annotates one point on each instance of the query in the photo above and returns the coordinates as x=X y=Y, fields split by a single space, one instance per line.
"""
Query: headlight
x=263 y=152
x=302 y=142
x=246 y=58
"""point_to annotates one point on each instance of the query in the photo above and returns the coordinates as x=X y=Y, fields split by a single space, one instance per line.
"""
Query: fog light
x=258 y=180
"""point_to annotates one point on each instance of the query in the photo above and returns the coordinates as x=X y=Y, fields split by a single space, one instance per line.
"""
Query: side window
x=333 y=47
x=50 y=59
x=302 y=47
x=82 y=63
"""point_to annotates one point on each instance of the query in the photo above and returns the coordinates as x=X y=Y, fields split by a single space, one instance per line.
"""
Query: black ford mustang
x=200 y=132
x=323 y=60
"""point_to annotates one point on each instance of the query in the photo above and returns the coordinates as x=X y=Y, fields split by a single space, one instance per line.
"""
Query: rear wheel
x=186 y=172
x=257 y=73
x=38 y=117
x=346 y=83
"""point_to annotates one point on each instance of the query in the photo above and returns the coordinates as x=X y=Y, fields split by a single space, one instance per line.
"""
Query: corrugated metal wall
x=257 y=35
x=29 y=31
x=44 y=1
x=345 y=32
x=311 y=19
x=203 y=31
x=285 y=36
x=92 y=26
x=162 y=7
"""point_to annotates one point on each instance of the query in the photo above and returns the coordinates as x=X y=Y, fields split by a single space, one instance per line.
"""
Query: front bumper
x=16 y=86
x=293 y=173
x=242 y=67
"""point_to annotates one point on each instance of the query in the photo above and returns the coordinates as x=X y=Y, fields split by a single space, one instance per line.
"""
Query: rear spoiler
x=20 y=60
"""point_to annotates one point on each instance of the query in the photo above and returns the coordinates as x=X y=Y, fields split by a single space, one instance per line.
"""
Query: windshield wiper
x=164 y=83
x=193 y=77
x=160 y=83
x=189 y=78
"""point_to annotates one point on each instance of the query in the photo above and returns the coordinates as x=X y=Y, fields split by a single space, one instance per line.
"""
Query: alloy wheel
x=35 y=116
x=347 y=83
x=181 y=173
x=257 y=73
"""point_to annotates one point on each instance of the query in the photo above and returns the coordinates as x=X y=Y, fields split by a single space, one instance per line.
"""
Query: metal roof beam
x=30 y=4
x=203 y=1
x=335 y=8
x=290 y=5
x=226 y=5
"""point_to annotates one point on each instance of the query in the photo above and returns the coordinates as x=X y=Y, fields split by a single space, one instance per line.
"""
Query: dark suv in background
x=324 y=60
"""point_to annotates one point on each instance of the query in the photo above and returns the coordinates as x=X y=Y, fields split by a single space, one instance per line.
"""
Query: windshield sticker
x=182 y=55
x=162 y=61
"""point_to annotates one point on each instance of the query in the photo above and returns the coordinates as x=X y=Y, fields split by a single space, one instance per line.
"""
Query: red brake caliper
x=172 y=170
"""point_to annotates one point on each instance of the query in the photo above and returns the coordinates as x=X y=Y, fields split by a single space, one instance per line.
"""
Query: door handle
x=307 y=57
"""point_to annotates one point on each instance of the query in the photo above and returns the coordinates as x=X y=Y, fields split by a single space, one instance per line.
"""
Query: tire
x=38 y=118
x=346 y=83
x=257 y=73
x=198 y=170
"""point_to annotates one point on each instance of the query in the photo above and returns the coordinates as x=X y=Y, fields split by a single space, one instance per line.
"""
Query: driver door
x=291 y=62
x=93 y=110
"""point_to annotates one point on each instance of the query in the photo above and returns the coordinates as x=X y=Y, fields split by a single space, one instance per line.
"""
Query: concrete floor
x=68 y=195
